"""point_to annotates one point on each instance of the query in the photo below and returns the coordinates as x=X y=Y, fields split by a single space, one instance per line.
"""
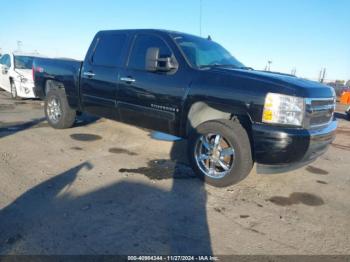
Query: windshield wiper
x=246 y=68
x=227 y=65
x=217 y=65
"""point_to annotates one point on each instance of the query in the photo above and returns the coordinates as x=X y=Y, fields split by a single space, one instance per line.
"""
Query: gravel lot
x=104 y=187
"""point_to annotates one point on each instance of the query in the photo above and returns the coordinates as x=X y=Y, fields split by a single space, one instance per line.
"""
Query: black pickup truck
x=193 y=88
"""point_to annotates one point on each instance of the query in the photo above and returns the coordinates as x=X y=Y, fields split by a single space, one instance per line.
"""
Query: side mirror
x=166 y=64
x=4 y=70
x=154 y=63
x=152 y=56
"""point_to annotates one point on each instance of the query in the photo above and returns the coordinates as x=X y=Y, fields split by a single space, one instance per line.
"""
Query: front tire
x=58 y=113
x=220 y=152
x=13 y=91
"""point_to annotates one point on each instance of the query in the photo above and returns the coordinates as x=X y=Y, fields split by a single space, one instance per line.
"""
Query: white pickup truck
x=16 y=74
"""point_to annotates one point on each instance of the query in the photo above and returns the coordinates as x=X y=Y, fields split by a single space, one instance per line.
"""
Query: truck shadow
x=85 y=120
x=121 y=218
x=11 y=128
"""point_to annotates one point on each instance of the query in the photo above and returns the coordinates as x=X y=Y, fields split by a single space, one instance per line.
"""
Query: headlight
x=283 y=109
x=24 y=80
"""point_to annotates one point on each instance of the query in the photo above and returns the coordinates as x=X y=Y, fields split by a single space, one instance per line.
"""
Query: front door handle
x=127 y=79
x=89 y=74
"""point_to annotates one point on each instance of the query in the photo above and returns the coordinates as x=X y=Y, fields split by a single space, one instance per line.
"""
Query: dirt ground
x=104 y=187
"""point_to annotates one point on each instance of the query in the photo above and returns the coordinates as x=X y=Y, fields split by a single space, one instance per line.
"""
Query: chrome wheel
x=54 y=110
x=214 y=155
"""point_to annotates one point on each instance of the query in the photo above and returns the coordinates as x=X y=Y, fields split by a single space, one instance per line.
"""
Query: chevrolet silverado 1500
x=193 y=88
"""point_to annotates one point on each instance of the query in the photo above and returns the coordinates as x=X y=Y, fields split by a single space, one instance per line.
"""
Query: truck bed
x=63 y=70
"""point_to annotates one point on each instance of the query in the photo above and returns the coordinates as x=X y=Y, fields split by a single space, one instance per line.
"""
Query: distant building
x=339 y=86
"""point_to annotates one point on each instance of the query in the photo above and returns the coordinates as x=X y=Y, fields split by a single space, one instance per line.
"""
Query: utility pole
x=19 y=45
x=322 y=75
x=200 y=16
x=268 y=66
x=319 y=76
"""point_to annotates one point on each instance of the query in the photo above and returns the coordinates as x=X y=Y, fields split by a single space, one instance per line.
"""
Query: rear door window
x=109 y=50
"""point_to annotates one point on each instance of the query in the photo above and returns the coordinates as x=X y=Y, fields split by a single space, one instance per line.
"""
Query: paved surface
x=103 y=187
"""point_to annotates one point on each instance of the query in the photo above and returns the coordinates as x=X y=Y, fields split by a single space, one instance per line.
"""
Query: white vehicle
x=16 y=74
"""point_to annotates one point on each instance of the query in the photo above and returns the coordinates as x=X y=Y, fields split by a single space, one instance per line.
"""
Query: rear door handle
x=127 y=79
x=89 y=74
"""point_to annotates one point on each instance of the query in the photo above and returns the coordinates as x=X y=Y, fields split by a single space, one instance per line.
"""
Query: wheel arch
x=52 y=84
x=200 y=112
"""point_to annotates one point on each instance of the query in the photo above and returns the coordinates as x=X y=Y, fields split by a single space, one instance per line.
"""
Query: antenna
x=200 y=16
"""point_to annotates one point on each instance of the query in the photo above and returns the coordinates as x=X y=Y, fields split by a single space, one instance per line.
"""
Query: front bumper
x=280 y=146
x=25 y=90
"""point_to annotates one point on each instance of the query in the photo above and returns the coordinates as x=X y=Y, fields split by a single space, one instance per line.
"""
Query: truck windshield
x=23 y=62
x=202 y=52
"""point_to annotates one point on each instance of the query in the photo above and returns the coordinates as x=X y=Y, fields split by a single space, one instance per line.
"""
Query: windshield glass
x=23 y=62
x=202 y=52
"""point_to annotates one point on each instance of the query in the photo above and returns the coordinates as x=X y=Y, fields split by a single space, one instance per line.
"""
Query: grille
x=319 y=111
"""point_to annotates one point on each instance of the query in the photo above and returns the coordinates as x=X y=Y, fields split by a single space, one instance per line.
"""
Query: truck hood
x=290 y=84
x=27 y=73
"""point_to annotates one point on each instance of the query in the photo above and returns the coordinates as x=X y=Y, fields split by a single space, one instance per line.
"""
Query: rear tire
x=58 y=113
x=227 y=161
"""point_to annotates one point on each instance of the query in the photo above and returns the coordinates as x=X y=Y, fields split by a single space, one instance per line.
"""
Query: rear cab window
x=23 y=62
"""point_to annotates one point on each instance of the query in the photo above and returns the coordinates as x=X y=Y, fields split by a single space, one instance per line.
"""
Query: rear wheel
x=57 y=111
x=220 y=152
